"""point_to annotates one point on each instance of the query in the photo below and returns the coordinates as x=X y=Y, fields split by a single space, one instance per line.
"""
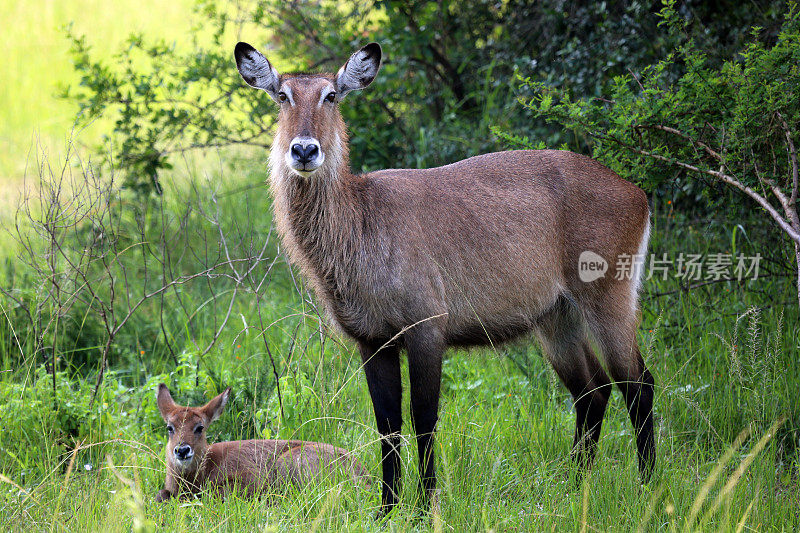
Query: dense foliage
x=449 y=72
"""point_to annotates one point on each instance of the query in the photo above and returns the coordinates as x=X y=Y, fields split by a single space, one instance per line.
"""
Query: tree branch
x=726 y=178
x=792 y=158
x=679 y=133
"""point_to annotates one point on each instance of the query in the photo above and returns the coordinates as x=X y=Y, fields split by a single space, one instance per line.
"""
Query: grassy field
x=725 y=362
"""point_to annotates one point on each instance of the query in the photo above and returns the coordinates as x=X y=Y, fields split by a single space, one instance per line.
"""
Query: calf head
x=186 y=429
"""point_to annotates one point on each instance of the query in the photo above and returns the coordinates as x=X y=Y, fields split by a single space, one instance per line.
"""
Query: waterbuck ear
x=256 y=70
x=164 y=401
x=359 y=70
x=213 y=409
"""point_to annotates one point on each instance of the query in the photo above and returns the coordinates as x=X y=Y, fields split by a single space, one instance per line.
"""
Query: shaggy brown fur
x=252 y=466
x=477 y=252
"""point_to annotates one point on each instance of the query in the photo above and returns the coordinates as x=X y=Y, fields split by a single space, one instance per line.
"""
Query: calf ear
x=359 y=70
x=164 y=400
x=214 y=408
x=256 y=70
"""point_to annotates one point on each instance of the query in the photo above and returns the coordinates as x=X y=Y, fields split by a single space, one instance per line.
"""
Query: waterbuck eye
x=282 y=96
x=170 y=429
x=331 y=97
x=199 y=429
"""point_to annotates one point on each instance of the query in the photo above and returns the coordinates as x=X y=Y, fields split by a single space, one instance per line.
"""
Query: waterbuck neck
x=320 y=217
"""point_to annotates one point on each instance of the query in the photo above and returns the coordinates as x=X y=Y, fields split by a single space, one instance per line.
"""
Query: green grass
x=502 y=447
x=725 y=362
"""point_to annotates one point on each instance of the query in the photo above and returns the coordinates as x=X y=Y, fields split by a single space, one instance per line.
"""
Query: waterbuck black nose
x=305 y=154
x=183 y=451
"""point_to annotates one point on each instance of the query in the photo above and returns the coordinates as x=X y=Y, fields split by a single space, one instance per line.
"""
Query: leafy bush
x=36 y=415
x=296 y=404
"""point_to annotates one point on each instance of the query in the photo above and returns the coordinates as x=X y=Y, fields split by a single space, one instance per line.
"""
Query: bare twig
x=84 y=242
x=725 y=178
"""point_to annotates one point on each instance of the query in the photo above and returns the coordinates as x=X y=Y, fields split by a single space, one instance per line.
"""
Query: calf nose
x=183 y=451
x=305 y=154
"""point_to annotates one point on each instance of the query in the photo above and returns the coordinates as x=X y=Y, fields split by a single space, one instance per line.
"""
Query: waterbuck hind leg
x=638 y=393
x=562 y=334
x=591 y=396
x=643 y=418
x=382 y=368
x=425 y=346
x=615 y=331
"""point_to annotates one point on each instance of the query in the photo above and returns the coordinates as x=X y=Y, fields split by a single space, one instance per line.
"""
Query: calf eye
x=170 y=429
x=331 y=97
x=199 y=429
x=282 y=96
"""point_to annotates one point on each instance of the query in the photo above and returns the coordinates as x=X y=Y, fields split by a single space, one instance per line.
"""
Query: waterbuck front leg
x=425 y=347
x=382 y=368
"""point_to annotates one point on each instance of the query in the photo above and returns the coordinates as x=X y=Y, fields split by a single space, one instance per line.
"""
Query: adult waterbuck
x=480 y=251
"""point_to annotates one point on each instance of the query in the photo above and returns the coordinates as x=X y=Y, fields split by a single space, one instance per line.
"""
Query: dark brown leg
x=590 y=393
x=425 y=347
x=562 y=333
x=638 y=394
x=382 y=368
x=614 y=325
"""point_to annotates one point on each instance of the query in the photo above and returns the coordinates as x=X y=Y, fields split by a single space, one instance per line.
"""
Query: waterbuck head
x=186 y=429
x=311 y=136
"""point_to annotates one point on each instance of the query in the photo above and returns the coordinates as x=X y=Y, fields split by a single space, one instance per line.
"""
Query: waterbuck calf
x=480 y=251
x=252 y=466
